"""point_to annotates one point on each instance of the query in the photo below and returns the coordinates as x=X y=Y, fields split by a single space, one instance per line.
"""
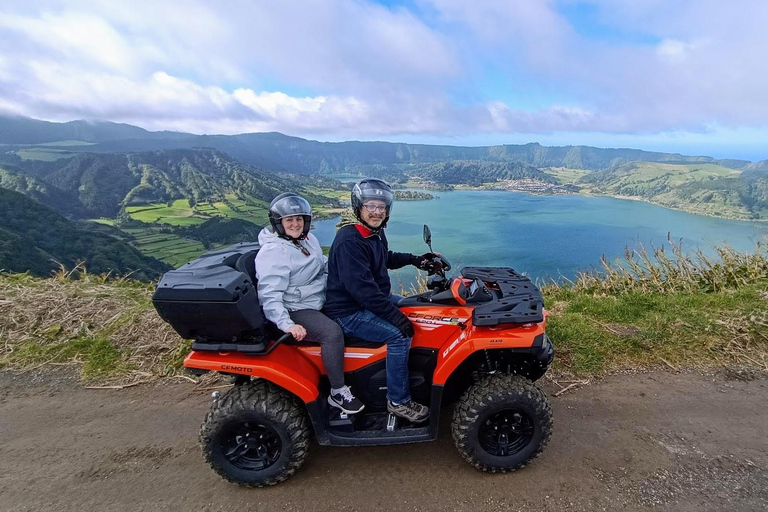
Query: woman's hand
x=298 y=332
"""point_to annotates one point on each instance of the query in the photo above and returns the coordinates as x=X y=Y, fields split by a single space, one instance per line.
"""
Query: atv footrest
x=391 y=422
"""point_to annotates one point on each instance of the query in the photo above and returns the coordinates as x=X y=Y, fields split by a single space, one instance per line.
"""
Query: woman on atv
x=292 y=272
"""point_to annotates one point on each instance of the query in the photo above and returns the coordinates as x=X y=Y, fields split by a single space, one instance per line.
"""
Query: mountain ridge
x=280 y=152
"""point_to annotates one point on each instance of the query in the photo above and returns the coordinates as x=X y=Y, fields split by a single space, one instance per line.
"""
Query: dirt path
x=656 y=441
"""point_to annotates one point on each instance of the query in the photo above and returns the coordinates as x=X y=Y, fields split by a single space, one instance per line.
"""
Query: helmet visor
x=369 y=192
x=291 y=206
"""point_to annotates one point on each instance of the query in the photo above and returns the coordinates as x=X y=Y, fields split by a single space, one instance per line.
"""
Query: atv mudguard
x=453 y=353
x=286 y=366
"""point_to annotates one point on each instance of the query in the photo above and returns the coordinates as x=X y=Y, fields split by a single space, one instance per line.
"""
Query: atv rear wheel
x=501 y=423
x=256 y=434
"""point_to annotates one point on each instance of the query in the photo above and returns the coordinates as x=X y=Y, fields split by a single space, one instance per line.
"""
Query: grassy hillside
x=706 y=189
x=463 y=172
x=670 y=312
x=147 y=194
x=34 y=238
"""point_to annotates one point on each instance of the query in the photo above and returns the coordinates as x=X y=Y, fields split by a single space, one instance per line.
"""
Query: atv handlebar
x=437 y=265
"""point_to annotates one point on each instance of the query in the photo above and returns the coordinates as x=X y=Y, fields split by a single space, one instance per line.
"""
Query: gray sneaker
x=411 y=411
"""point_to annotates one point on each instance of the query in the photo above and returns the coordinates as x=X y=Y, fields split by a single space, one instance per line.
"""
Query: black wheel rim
x=506 y=432
x=251 y=445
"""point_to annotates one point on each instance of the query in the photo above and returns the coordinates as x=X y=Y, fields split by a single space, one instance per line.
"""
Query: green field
x=167 y=247
x=677 y=174
x=566 y=176
x=48 y=155
x=181 y=213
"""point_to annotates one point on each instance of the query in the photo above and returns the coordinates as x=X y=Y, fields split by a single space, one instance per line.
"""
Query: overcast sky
x=673 y=75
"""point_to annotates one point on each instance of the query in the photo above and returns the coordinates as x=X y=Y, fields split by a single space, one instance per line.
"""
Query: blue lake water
x=546 y=236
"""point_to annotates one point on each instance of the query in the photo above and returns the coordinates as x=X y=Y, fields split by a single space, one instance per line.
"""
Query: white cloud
x=358 y=69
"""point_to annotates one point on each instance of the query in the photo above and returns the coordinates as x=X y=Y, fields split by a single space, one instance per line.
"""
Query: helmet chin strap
x=290 y=238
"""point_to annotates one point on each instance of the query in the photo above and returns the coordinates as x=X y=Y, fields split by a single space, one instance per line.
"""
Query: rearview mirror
x=428 y=237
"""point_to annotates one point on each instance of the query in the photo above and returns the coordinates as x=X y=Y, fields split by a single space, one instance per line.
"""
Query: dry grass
x=666 y=309
x=109 y=329
x=672 y=270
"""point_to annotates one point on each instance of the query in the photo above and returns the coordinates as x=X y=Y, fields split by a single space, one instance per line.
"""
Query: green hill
x=157 y=198
x=103 y=184
x=35 y=238
x=707 y=189
x=476 y=172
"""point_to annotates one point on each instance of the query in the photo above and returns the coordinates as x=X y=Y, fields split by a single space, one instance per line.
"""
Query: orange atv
x=479 y=344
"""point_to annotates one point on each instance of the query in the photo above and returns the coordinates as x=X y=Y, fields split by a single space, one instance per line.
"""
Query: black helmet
x=371 y=188
x=289 y=204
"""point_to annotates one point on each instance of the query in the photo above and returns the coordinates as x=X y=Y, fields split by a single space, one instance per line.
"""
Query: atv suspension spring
x=489 y=364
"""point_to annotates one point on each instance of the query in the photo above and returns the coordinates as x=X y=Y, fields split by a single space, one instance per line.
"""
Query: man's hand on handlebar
x=424 y=262
x=297 y=331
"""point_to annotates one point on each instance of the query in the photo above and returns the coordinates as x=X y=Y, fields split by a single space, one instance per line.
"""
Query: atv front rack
x=517 y=300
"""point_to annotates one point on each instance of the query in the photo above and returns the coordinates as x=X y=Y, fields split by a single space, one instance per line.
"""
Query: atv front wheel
x=501 y=423
x=255 y=435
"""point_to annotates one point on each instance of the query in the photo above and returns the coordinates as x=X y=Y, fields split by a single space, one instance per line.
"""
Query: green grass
x=595 y=334
x=99 y=357
x=663 y=308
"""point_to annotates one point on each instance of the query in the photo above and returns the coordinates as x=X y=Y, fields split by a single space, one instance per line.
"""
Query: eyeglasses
x=375 y=208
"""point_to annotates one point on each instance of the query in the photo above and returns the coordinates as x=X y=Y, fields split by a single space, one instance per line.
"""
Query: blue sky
x=686 y=76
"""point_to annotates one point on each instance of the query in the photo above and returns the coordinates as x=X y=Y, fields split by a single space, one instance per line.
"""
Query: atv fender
x=454 y=352
x=285 y=366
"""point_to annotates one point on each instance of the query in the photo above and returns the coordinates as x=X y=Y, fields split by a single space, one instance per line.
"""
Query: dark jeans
x=326 y=332
x=364 y=324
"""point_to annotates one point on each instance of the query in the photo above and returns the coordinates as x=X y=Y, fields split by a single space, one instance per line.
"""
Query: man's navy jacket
x=357 y=273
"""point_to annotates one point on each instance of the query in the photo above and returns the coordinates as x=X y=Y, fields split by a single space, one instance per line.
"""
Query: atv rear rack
x=517 y=300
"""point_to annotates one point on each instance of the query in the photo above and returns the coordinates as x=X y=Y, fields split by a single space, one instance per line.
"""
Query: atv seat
x=246 y=264
x=351 y=341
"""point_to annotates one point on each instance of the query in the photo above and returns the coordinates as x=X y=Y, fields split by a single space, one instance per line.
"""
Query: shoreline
x=592 y=194
x=692 y=212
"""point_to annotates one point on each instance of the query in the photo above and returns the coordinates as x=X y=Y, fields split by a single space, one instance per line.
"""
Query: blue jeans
x=364 y=324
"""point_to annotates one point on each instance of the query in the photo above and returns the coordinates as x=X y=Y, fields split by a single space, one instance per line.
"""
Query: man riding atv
x=359 y=294
x=478 y=341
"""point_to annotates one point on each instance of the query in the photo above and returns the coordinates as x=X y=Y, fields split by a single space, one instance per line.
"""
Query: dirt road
x=656 y=441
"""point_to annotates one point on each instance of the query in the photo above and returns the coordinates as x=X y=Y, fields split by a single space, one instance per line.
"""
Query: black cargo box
x=213 y=298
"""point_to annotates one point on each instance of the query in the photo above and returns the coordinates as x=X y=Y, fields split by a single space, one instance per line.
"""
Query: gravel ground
x=659 y=441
